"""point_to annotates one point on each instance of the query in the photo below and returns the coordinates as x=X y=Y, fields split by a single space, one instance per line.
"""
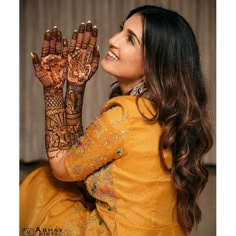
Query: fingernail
x=94 y=26
x=75 y=30
x=82 y=23
x=32 y=55
x=48 y=30
x=89 y=21
x=54 y=27
x=98 y=48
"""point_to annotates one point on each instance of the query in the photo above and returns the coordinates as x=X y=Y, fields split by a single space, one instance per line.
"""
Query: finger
x=95 y=60
x=65 y=47
x=93 y=39
x=35 y=58
x=59 y=43
x=53 y=40
x=80 y=35
x=87 y=35
x=73 y=41
x=40 y=72
x=46 y=44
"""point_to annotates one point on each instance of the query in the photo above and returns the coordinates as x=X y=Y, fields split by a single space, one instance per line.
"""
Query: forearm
x=56 y=133
x=56 y=137
x=74 y=103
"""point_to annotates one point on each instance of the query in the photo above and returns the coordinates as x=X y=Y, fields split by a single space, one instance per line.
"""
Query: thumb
x=36 y=61
x=35 y=58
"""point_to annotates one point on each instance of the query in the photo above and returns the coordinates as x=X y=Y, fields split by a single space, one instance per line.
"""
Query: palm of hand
x=79 y=70
x=83 y=54
x=81 y=63
x=53 y=71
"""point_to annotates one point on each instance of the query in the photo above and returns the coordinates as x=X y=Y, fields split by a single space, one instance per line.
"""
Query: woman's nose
x=114 y=41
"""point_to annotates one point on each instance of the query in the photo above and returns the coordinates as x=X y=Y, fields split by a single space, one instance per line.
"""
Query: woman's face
x=124 y=59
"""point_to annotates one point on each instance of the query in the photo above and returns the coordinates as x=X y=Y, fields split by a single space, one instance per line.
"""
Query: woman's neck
x=125 y=86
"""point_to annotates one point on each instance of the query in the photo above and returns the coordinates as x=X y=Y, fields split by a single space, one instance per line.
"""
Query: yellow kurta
x=118 y=160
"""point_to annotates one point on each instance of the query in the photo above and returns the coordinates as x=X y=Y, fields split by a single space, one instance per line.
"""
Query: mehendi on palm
x=82 y=64
x=51 y=70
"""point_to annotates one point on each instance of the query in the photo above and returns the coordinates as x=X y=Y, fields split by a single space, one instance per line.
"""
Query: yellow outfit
x=119 y=162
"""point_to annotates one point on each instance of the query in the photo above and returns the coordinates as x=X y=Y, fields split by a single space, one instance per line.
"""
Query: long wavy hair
x=174 y=79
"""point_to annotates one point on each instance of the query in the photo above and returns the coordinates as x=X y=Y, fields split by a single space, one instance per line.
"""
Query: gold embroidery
x=122 y=118
x=101 y=144
x=100 y=184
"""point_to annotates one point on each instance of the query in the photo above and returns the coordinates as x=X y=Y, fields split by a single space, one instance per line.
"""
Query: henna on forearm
x=51 y=70
x=82 y=63
x=56 y=130
x=74 y=103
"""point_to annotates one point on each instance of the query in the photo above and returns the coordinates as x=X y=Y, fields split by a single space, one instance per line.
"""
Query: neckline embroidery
x=140 y=89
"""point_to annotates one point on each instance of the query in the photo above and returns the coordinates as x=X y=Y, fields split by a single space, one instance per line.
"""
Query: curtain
x=39 y=15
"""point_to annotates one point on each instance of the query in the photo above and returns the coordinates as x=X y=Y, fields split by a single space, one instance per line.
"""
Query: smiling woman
x=124 y=59
x=137 y=169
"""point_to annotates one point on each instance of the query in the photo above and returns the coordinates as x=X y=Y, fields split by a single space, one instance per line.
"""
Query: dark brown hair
x=174 y=79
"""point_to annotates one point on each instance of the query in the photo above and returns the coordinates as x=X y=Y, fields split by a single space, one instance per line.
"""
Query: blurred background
x=38 y=16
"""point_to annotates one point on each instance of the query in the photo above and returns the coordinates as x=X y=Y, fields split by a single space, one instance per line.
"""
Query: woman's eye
x=130 y=39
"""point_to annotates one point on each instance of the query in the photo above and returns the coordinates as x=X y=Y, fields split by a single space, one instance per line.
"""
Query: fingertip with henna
x=47 y=35
x=82 y=27
x=65 y=42
x=94 y=31
x=59 y=36
x=96 y=52
x=35 y=57
x=54 y=32
x=74 y=35
x=89 y=26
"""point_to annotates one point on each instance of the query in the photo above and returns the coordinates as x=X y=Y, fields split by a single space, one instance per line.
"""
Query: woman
x=141 y=159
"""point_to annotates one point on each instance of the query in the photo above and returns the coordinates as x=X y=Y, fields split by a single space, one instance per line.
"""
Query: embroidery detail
x=119 y=152
x=122 y=118
x=141 y=89
x=99 y=137
x=100 y=186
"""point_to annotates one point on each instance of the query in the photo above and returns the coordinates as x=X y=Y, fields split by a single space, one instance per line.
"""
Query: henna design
x=52 y=71
x=65 y=47
x=88 y=31
x=46 y=44
x=53 y=40
x=37 y=67
x=56 y=133
x=80 y=35
x=88 y=57
x=84 y=56
x=59 y=43
x=72 y=45
x=74 y=101
x=45 y=48
x=78 y=71
x=56 y=101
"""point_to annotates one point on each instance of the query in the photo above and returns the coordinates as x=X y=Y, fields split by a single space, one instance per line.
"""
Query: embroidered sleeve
x=101 y=144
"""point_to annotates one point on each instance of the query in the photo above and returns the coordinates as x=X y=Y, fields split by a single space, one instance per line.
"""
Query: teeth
x=112 y=55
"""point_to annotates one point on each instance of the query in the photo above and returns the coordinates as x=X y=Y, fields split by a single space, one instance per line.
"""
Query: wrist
x=77 y=88
x=53 y=91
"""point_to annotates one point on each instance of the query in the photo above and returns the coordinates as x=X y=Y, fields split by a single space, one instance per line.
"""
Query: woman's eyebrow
x=131 y=32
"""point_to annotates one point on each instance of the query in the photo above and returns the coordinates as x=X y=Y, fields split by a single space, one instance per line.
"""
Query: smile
x=112 y=55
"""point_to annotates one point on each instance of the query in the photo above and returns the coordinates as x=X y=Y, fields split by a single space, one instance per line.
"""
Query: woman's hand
x=51 y=70
x=83 y=55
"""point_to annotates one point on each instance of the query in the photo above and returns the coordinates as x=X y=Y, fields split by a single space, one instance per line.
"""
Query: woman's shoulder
x=130 y=104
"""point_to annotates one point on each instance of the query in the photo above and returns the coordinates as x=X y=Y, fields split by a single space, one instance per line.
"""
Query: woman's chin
x=105 y=67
